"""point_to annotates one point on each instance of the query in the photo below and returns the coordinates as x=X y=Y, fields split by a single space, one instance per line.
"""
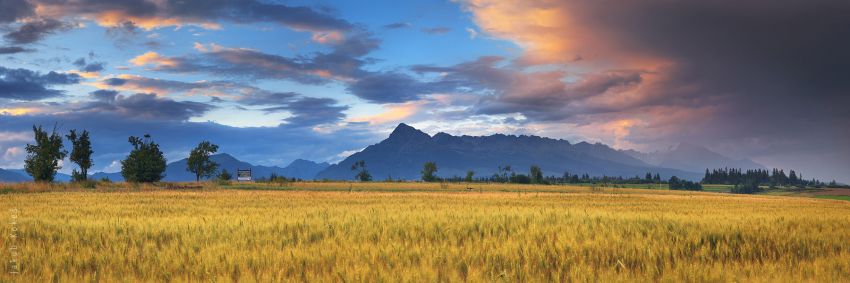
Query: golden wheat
x=414 y=232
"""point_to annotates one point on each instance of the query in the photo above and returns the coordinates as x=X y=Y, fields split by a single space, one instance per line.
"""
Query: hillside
x=176 y=171
x=403 y=153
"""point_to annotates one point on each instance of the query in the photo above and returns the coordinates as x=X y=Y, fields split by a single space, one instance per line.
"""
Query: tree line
x=773 y=178
x=506 y=174
x=145 y=162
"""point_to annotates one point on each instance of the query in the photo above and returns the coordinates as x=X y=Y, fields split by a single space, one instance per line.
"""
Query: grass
x=847 y=198
x=415 y=232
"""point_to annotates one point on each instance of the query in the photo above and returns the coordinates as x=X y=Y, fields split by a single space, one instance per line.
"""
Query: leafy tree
x=43 y=157
x=145 y=163
x=428 y=171
x=199 y=161
x=678 y=184
x=224 y=175
x=535 y=174
x=749 y=187
x=80 y=154
x=362 y=174
x=469 y=175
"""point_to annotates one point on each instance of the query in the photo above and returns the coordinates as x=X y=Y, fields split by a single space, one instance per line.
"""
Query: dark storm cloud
x=763 y=62
x=756 y=78
x=12 y=10
x=14 y=49
x=35 y=30
x=145 y=106
x=27 y=85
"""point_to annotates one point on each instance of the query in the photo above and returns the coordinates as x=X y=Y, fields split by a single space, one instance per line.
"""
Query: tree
x=80 y=154
x=145 y=163
x=428 y=171
x=43 y=157
x=224 y=175
x=535 y=174
x=503 y=173
x=199 y=161
x=469 y=175
x=363 y=174
x=678 y=184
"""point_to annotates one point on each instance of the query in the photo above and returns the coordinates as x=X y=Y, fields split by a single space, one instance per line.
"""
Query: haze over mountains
x=403 y=153
x=694 y=158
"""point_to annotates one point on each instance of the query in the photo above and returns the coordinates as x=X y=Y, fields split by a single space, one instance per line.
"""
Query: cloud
x=12 y=10
x=399 y=25
x=159 y=62
x=393 y=113
x=35 y=30
x=134 y=83
x=207 y=14
x=90 y=67
x=472 y=33
x=436 y=30
x=104 y=95
x=311 y=111
x=14 y=49
x=305 y=111
x=144 y=106
x=390 y=87
x=721 y=73
x=342 y=63
x=267 y=98
x=27 y=85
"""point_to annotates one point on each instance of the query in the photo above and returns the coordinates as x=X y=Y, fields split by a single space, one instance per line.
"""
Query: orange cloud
x=18 y=111
x=392 y=113
x=553 y=32
x=154 y=59
x=87 y=75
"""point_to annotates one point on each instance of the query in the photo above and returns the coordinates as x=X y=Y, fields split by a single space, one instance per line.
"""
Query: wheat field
x=412 y=232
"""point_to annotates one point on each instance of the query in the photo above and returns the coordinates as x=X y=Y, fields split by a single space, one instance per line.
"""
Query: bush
x=683 y=185
x=87 y=184
x=750 y=187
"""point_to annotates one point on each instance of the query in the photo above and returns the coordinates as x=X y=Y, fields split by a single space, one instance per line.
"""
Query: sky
x=273 y=81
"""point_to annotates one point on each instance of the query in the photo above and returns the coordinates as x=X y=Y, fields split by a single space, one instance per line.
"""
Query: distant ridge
x=403 y=153
x=691 y=157
x=176 y=171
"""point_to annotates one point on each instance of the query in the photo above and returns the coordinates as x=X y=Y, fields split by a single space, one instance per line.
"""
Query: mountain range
x=402 y=155
x=176 y=171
